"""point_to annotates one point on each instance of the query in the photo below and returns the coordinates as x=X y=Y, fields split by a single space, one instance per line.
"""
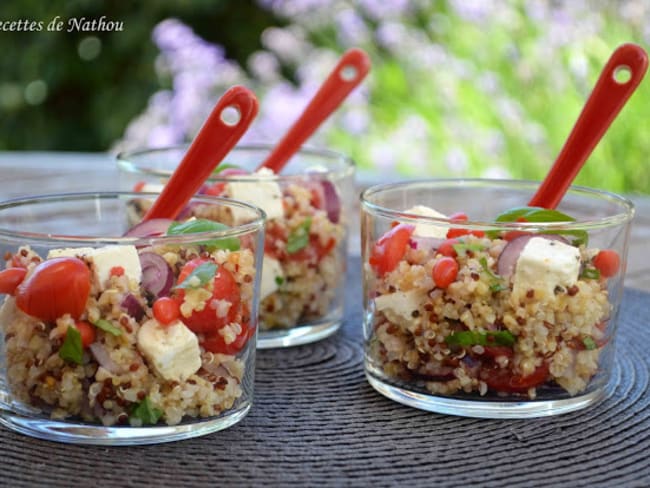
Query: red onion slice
x=132 y=306
x=332 y=201
x=508 y=258
x=157 y=275
x=104 y=359
x=149 y=228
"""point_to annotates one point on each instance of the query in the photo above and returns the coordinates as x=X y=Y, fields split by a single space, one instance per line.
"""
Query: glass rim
x=25 y=201
x=626 y=214
x=125 y=162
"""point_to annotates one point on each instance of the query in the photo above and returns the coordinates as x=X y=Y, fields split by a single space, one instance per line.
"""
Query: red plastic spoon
x=348 y=73
x=605 y=102
x=214 y=141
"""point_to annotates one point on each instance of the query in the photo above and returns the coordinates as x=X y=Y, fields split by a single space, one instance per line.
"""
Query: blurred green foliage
x=52 y=99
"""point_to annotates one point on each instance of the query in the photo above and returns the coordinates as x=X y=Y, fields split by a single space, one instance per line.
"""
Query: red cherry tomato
x=55 y=287
x=390 y=248
x=502 y=379
x=459 y=217
x=453 y=233
x=513 y=234
x=496 y=351
x=224 y=288
x=607 y=262
x=215 y=342
x=86 y=331
x=215 y=189
x=444 y=272
x=10 y=278
x=275 y=241
x=447 y=248
x=139 y=186
x=166 y=310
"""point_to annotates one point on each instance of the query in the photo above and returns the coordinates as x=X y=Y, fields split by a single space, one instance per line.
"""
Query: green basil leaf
x=299 y=237
x=590 y=274
x=497 y=283
x=461 y=248
x=589 y=343
x=223 y=166
x=146 y=412
x=106 y=326
x=279 y=280
x=72 y=350
x=194 y=226
x=200 y=276
x=539 y=214
x=471 y=338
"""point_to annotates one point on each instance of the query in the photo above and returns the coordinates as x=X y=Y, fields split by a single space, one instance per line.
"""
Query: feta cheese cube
x=399 y=306
x=266 y=195
x=171 y=350
x=428 y=230
x=272 y=272
x=545 y=264
x=105 y=258
x=70 y=252
x=152 y=187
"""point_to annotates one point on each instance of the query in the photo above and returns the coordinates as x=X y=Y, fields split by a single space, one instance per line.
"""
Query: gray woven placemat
x=317 y=422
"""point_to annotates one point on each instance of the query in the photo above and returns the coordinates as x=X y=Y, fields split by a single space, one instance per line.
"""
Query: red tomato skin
x=215 y=342
x=390 y=248
x=166 y=310
x=444 y=272
x=55 y=287
x=447 y=248
x=496 y=351
x=10 y=278
x=607 y=262
x=225 y=287
x=86 y=331
x=500 y=379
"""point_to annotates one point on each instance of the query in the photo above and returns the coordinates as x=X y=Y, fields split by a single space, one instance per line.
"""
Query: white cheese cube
x=272 y=272
x=70 y=252
x=105 y=258
x=172 y=350
x=428 y=230
x=266 y=195
x=399 y=306
x=545 y=264
x=152 y=187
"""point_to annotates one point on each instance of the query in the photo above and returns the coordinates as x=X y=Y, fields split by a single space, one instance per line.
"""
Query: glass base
x=488 y=409
x=92 y=434
x=296 y=336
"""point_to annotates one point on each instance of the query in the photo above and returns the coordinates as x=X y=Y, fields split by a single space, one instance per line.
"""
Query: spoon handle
x=605 y=102
x=225 y=125
x=348 y=73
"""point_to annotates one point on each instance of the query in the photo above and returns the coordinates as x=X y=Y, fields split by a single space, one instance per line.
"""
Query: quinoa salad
x=126 y=335
x=305 y=247
x=509 y=314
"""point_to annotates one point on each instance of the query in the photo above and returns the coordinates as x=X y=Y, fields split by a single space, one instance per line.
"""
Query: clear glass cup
x=308 y=210
x=121 y=339
x=468 y=316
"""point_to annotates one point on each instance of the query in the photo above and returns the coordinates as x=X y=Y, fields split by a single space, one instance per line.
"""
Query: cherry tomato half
x=224 y=288
x=444 y=272
x=166 y=310
x=87 y=332
x=502 y=379
x=10 y=278
x=447 y=248
x=215 y=342
x=390 y=248
x=55 y=287
x=607 y=262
